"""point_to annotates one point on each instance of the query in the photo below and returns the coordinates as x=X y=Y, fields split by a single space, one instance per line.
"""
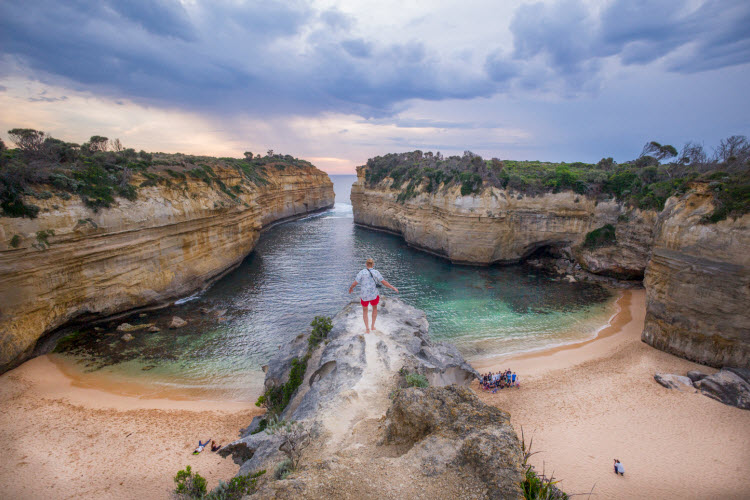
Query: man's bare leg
x=374 y=315
x=364 y=316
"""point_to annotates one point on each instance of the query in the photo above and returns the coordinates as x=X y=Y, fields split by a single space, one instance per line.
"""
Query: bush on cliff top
x=644 y=182
x=100 y=170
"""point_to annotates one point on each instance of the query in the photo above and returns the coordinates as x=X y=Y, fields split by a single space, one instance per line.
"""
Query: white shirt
x=367 y=289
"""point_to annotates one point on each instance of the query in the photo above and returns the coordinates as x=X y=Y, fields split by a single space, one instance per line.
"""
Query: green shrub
x=236 y=488
x=189 y=484
x=601 y=237
x=276 y=399
x=283 y=469
x=416 y=380
x=321 y=327
x=42 y=238
x=15 y=241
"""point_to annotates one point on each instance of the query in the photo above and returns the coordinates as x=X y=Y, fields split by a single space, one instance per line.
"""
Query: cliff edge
x=374 y=439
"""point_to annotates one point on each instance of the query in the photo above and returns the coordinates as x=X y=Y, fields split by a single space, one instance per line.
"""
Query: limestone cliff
x=698 y=283
x=73 y=263
x=500 y=226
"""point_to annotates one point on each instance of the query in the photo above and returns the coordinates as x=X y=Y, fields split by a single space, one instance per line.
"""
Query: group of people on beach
x=500 y=380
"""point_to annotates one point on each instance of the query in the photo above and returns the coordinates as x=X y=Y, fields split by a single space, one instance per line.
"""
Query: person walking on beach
x=619 y=469
x=369 y=280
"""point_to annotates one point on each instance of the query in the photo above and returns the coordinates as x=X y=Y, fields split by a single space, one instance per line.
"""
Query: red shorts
x=374 y=301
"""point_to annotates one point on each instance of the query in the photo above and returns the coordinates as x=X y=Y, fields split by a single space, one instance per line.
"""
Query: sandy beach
x=584 y=404
x=64 y=441
x=589 y=403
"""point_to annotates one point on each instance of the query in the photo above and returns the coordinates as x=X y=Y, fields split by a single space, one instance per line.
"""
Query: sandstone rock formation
x=731 y=386
x=344 y=398
x=499 y=226
x=168 y=243
x=177 y=322
x=671 y=381
x=698 y=284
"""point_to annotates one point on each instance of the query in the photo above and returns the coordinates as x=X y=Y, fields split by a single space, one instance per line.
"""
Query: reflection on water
x=302 y=269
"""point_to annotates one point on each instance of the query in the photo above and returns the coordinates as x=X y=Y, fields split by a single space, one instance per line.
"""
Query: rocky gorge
x=75 y=263
x=697 y=274
x=371 y=435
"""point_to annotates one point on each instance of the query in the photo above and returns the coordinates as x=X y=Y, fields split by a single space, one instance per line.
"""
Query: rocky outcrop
x=731 y=386
x=698 y=284
x=449 y=425
x=671 y=381
x=71 y=263
x=346 y=392
x=500 y=226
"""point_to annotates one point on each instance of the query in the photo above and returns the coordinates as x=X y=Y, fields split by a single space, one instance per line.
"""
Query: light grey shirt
x=620 y=468
x=367 y=289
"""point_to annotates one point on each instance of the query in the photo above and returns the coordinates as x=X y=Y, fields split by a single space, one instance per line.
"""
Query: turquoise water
x=303 y=268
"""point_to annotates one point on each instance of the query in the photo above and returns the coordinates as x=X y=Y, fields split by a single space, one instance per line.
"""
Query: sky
x=337 y=82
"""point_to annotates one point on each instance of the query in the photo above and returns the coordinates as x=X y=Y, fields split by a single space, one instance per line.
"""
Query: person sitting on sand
x=201 y=446
x=369 y=279
x=214 y=446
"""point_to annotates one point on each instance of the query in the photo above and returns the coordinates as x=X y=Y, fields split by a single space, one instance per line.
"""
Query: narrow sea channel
x=303 y=268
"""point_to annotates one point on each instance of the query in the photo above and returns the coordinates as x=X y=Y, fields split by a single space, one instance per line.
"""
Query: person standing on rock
x=369 y=280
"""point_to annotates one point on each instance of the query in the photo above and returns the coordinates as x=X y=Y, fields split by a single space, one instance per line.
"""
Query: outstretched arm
x=352 y=287
x=390 y=286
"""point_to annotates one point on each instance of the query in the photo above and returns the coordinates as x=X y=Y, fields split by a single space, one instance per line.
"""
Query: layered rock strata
x=698 y=284
x=500 y=226
x=356 y=452
x=73 y=263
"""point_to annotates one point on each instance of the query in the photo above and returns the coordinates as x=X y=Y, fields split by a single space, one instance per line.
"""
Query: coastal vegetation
x=275 y=399
x=98 y=170
x=191 y=485
x=646 y=182
x=601 y=237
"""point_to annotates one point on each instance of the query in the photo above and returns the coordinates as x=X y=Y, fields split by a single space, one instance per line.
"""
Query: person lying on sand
x=214 y=446
x=201 y=446
x=619 y=469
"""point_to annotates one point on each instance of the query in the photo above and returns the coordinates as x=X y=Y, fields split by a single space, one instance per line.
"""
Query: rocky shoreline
x=365 y=422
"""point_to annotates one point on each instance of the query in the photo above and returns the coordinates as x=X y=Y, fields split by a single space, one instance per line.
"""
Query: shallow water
x=303 y=268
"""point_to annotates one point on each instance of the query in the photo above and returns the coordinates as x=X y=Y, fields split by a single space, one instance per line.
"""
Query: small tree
x=116 y=145
x=98 y=143
x=28 y=140
x=269 y=152
x=248 y=155
x=295 y=437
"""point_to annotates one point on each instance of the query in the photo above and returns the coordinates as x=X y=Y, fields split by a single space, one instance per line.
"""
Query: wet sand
x=588 y=403
x=63 y=441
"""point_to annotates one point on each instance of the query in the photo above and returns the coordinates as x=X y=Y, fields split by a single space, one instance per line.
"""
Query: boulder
x=204 y=310
x=177 y=322
x=695 y=375
x=153 y=329
x=731 y=386
x=671 y=381
x=127 y=337
x=127 y=327
x=450 y=426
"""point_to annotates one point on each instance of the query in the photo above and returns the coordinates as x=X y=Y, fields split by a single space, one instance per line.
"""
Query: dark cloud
x=283 y=56
x=572 y=43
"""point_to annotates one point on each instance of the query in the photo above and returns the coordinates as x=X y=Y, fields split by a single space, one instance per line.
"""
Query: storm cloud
x=290 y=57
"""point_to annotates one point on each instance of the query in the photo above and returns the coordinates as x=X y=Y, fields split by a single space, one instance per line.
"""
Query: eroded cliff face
x=498 y=226
x=698 y=284
x=170 y=242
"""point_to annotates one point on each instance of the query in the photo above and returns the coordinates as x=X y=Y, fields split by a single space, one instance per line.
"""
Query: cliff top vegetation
x=41 y=166
x=660 y=171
